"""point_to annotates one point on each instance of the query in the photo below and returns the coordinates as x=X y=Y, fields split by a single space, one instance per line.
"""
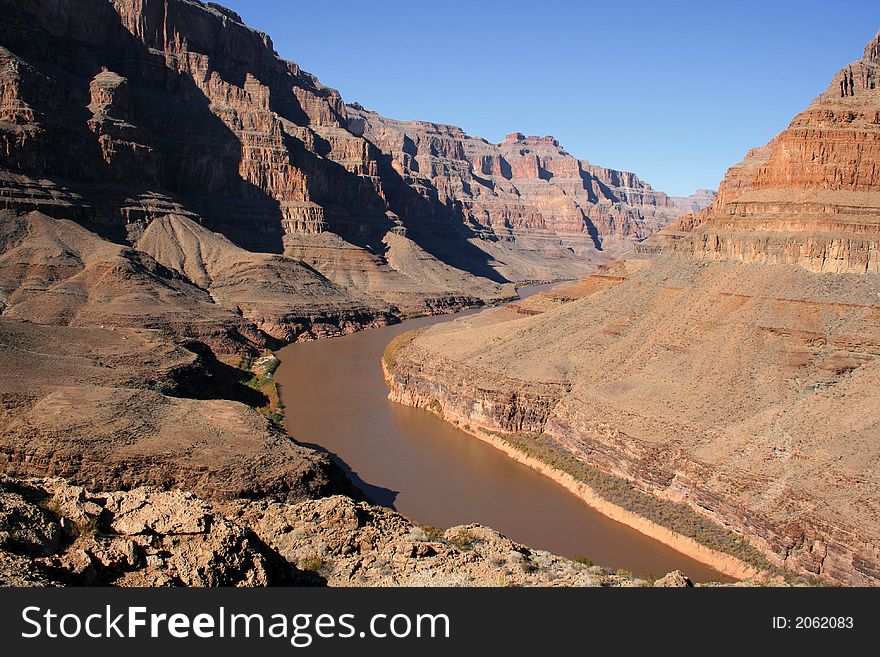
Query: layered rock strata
x=524 y=190
x=811 y=196
x=729 y=364
x=118 y=114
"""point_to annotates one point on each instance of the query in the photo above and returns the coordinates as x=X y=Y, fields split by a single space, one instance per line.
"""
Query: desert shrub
x=432 y=532
x=505 y=582
x=270 y=365
x=389 y=358
x=463 y=539
x=313 y=563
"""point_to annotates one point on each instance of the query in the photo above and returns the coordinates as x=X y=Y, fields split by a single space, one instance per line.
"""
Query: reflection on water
x=408 y=459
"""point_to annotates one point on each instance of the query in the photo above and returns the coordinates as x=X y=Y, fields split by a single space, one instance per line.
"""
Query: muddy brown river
x=408 y=459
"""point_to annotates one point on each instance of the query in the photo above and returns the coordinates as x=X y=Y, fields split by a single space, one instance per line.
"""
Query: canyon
x=335 y=397
x=177 y=201
x=187 y=139
x=723 y=374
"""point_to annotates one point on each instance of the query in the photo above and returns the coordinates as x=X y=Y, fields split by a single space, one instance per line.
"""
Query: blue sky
x=675 y=91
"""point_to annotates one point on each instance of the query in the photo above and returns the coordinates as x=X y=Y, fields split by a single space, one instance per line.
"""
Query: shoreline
x=724 y=563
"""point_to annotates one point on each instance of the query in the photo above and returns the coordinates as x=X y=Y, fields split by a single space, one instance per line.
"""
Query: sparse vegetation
x=389 y=358
x=463 y=539
x=584 y=560
x=86 y=526
x=652 y=577
x=435 y=407
x=679 y=518
x=432 y=532
x=261 y=370
x=312 y=563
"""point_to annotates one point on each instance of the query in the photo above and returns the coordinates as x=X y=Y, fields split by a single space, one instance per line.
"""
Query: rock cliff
x=729 y=366
x=176 y=111
x=525 y=191
x=811 y=196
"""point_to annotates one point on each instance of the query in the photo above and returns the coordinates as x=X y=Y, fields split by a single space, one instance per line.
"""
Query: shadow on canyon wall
x=183 y=154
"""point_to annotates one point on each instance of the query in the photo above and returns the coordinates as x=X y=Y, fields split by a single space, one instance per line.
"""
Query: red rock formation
x=179 y=108
x=525 y=188
x=812 y=195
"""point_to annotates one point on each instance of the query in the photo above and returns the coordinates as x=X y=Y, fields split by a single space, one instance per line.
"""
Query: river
x=335 y=399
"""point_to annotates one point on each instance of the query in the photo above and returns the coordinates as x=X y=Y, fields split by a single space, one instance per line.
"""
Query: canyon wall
x=175 y=200
x=524 y=189
x=812 y=195
x=729 y=363
x=118 y=114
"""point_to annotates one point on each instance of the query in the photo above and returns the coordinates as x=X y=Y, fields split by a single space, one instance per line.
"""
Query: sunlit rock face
x=524 y=187
x=812 y=195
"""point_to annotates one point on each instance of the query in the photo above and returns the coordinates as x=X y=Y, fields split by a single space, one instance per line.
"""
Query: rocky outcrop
x=729 y=364
x=675 y=579
x=811 y=196
x=55 y=533
x=52 y=533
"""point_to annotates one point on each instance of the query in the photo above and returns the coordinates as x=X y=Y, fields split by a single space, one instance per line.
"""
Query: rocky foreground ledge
x=55 y=534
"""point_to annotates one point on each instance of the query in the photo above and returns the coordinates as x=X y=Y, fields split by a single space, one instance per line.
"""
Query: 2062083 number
x=823 y=622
